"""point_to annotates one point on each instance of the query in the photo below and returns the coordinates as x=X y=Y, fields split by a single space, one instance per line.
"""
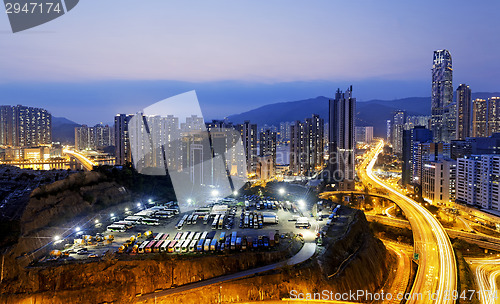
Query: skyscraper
x=122 y=140
x=297 y=145
x=411 y=138
x=249 y=135
x=307 y=145
x=388 y=130
x=479 y=118
x=267 y=143
x=442 y=97
x=284 y=136
x=493 y=115
x=398 y=122
x=22 y=126
x=342 y=144
x=464 y=108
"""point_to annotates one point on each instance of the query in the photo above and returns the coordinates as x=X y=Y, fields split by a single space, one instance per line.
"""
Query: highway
x=436 y=277
x=86 y=162
x=403 y=271
x=482 y=240
x=487 y=272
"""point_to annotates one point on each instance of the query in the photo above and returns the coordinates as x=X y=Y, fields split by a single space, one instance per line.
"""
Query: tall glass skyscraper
x=342 y=143
x=443 y=109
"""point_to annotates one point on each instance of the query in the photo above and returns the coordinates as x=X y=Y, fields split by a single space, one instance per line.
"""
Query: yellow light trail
x=436 y=277
x=85 y=161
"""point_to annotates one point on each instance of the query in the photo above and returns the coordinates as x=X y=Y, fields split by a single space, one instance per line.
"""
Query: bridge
x=86 y=162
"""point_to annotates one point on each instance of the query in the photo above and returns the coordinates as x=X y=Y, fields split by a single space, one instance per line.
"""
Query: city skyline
x=232 y=151
x=244 y=63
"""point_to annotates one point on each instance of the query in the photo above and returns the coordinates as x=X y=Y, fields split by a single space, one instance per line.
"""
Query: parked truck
x=269 y=218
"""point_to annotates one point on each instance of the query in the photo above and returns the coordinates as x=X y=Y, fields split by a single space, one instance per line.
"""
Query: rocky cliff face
x=358 y=260
x=51 y=207
x=120 y=281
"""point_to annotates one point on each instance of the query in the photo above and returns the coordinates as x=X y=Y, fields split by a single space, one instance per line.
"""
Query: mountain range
x=63 y=130
x=368 y=113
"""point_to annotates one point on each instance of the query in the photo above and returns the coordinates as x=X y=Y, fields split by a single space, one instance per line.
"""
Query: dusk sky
x=105 y=57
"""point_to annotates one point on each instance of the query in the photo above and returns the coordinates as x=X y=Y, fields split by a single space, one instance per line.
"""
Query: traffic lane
x=445 y=278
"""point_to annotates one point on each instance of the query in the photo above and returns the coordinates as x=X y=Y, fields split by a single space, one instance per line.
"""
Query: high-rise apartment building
x=307 y=145
x=442 y=97
x=438 y=181
x=398 y=123
x=284 y=135
x=315 y=128
x=122 y=140
x=423 y=153
x=249 y=135
x=411 y=138
x=22 y=126
x=477 y=181
x=297 y=146
x=364 y=135
x=388 y=130
x=464 y=117
x=493 y=115
x=93 y=138
x=193 y=123
x=267 y=144
x=414 y=121
x=480 y=118
x=342 y=142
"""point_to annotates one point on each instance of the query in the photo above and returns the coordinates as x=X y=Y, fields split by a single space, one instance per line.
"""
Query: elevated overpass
x=86 y=162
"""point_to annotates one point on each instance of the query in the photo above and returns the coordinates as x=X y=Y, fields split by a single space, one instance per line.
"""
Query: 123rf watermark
x=366 y=296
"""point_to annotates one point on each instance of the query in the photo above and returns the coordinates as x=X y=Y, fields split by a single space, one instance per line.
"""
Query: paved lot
x=285 y=225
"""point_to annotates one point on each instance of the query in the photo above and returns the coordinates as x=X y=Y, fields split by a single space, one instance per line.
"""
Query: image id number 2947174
x=33 y=7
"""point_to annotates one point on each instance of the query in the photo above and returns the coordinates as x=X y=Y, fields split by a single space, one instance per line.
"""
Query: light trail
x=388 y=213
x=436 y=277
x=487 y=272
x=85 y=161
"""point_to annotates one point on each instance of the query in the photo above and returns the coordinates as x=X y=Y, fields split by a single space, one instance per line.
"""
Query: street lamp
x=215 y=193
x=56 y=238
x=189 y=200
x=282 y=191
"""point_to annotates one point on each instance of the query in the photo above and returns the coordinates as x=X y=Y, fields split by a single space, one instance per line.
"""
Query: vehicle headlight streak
x=420 y=217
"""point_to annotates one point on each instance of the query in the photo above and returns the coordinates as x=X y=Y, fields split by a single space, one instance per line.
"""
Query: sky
x=119 y=56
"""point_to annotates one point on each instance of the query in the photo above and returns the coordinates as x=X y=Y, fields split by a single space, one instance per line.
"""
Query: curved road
x=487 y=272
x=86 y=162
x=304 y=254
x=436 y=277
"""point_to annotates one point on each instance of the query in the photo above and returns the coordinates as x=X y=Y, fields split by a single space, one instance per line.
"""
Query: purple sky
x=123 y=55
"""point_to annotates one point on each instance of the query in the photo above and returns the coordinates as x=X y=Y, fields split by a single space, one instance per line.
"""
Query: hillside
x=63 y=130
x=369 y=113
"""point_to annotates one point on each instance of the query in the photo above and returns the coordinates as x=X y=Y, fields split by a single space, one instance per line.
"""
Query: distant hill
x=63 y=130
x=369 y=113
